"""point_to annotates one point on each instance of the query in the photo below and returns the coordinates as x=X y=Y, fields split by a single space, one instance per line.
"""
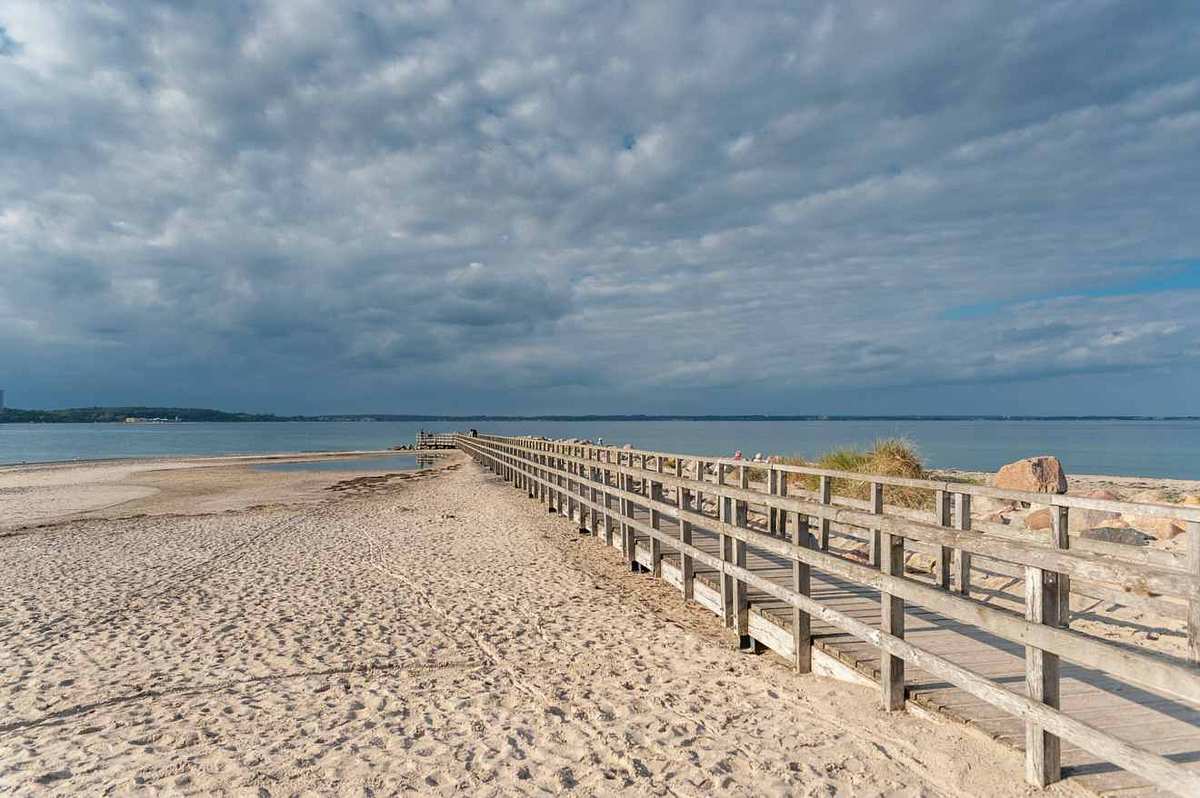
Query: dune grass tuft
x=889 y=457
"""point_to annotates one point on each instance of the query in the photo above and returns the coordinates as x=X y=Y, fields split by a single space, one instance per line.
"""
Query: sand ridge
x=425 y=635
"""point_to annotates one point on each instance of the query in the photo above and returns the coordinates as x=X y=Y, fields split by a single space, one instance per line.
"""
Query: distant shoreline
x=172 y=415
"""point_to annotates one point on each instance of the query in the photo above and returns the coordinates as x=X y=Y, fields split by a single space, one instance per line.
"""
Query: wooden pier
x=820 y=579
x=436 y=440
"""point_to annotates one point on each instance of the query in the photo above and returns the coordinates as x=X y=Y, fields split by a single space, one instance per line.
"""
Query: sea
x=1148 y=448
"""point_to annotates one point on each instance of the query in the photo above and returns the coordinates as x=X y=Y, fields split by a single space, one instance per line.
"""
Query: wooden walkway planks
x=626 y=488
x=1164 y=725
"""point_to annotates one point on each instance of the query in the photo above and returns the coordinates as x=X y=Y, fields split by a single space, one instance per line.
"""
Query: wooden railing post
x=1193 y=617
x=594 y=494
x=741 y=589
x=1042 y=749
x=654 y=493
x=891 y=608
x=941 y=509
x=802 y=584
x=962 y=520
x=609 y=524
x=826 y=497
x=687 y=568
x=875 y=535
x=725 y=515
x=628 y=535
x=1060 y=539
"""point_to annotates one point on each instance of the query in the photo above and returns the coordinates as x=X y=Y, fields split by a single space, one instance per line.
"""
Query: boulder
x=986 y=504
x=1155 y=527
x=1039 y=520
x=1117 y=534
x=1038 y=474
x=1078 y=520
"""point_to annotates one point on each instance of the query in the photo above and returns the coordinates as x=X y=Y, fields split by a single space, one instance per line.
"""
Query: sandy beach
x=400 y=635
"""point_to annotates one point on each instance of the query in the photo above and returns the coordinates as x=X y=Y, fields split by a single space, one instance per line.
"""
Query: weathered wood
x=802 y=585
x=1060 y=539
x=945 y=554
x=1193 y=611
x=1150 y=671
x=687 y=568
x=876 y=533
x=891 y=609
x=825 y=491
x=1046 y=637
x=654 y=490
x=1043 y=750
x=962 y=521
x=741 y=592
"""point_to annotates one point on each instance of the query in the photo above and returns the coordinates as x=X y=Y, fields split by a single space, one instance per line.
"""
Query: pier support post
x=876 y=540
x=1193 y=619
x=687 y=567
x=802 y=584
x=891 y=668
x=1043 y=750
x=945 y=556
x=741 y=589
x=825 y=488
x=962 y=520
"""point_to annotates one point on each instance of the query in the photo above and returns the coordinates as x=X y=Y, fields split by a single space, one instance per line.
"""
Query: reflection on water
x=405 y=462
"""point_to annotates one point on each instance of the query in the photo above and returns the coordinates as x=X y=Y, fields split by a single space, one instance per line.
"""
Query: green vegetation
x=889 y=457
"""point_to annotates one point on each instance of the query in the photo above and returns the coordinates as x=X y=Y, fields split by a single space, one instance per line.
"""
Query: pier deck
x=1115 y=718
x=1166 y=726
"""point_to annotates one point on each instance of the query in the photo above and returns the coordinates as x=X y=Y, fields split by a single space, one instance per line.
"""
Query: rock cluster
x=1045 y=474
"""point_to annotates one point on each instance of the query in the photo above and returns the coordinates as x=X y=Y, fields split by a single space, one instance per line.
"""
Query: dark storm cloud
x=615 y=207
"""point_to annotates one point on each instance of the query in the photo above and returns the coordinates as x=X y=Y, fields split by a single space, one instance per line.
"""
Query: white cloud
x=266 y=195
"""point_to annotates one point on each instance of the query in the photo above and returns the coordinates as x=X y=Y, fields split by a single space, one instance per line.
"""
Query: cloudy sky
x=370 y=206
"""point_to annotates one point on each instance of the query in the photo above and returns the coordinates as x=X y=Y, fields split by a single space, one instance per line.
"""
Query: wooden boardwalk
x=1124 y=704
x=1166 y=726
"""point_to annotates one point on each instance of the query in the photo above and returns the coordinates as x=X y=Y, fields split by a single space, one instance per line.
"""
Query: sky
x=307 y=206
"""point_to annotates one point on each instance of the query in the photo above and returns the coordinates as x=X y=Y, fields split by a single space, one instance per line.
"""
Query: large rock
x=1155 y=527
x=1117 y=534
x=1038 y=474
x=1078 y=520
x=1039 y=520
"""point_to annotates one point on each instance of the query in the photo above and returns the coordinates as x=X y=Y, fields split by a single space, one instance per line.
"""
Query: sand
x=410 y=635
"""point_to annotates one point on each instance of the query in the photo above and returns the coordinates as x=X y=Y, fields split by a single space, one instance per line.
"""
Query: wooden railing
x=605 y=486
x=436 y=440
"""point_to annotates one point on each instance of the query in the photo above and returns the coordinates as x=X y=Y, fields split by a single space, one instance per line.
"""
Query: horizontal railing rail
x=590 y=478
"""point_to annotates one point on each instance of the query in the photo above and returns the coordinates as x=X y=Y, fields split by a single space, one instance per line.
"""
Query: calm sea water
x=1134 y=448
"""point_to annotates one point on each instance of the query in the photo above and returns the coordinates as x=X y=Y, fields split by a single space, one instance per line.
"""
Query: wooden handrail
x=1185 y=513
x=579 y=475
